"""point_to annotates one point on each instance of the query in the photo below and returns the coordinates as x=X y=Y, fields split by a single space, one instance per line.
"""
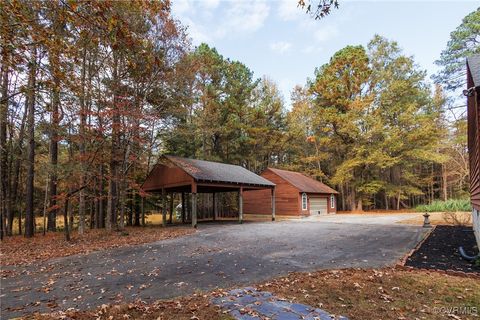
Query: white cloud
x=288 y=10
x=210 y=4
x=181 y=6
x=209 y=20
x=325 y=33
x=246 y=15
x=196 y=32
x=190 y=8
x=280 y=46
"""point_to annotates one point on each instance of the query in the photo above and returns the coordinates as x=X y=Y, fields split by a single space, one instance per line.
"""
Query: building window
x=304 y=201
x=332 y=201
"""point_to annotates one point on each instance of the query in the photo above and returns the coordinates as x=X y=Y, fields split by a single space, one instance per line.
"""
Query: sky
x=276 y=39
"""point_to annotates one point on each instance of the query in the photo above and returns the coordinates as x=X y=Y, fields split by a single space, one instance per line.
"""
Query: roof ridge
x=204 y=170
x=193 y=159
x=302 y=185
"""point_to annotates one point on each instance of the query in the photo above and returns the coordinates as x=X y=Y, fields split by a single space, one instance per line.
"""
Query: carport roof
x=209 y=171
x=302 y=182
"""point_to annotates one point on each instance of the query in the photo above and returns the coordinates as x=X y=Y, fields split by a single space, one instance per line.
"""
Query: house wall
x=287 y=198
x=166 y=176
x=303 y=212
x=473 y=118
x=473 y=115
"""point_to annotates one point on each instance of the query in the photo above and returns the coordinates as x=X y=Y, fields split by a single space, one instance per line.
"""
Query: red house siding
x=474 y=142
x=288 y=198
x=287 y=202
x=171 y=177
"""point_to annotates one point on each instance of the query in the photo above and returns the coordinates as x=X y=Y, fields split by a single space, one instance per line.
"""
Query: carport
x=173 y=175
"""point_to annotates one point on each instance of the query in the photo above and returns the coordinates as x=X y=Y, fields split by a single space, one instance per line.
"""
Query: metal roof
x=209 y=171
x=302 y=182
x=474 y=66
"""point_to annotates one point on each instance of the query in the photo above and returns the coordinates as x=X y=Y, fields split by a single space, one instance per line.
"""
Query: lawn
x=442 y=218
x=380 y=294
x=17 y=250
x=150 y=219
x=390 y=293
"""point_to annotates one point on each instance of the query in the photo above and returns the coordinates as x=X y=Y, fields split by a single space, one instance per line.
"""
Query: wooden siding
x=166 y=176
x=474 y=142
x=287 y=198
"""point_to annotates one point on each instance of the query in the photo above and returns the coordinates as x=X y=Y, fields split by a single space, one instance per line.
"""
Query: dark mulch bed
x=440 y=250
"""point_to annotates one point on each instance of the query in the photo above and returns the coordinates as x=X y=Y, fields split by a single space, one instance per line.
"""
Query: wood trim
x=232 y=186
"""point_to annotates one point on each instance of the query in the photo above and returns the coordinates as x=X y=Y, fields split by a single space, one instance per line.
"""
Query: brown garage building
x=295 y=195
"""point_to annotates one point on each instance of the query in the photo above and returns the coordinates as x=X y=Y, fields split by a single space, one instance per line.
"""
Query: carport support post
x=273 y=204
x=183 y=207
x=170 y=218
x=214 y=198
x=164 y=208
x=240 y=205
x=194 y=205
x=143 y=210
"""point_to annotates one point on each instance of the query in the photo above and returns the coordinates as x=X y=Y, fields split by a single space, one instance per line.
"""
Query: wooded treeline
x=92 y=92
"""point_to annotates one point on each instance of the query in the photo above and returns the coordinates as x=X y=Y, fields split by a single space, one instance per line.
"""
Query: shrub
x=452 y=205
x=457 y=218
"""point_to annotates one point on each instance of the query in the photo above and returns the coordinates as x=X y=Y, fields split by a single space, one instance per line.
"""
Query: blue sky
x=278 y=40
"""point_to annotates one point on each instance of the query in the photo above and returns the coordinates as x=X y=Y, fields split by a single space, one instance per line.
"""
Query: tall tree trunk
x=114 y=153
x=4 y=184
x=54 y=126
x=136 y=210
x=52 y=214
x=6 y=212
x=96 y=204
x=66 y=226
x=82 y=147
x=30 y=101
x=342 y=191
x=352 y=198
x=131 y=197
x=92 y=213
x=121 y=202
x=71 y=217
x=359 y=205
x=444 y=183
x=398 y=200
x=17 y=161
x=101 y=203
x=111 y=198
x=142 y=209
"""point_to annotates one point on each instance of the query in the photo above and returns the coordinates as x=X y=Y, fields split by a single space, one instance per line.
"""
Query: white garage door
x=318 y=206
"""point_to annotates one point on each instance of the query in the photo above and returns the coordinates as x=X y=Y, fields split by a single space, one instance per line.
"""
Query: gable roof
x=209 y=171
x=474 y=66
x=302 y=182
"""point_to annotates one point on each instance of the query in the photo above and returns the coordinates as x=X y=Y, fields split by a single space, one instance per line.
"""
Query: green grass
x=452 y=205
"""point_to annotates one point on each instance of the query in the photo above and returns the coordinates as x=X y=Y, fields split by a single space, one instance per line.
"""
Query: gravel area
x=218 y=255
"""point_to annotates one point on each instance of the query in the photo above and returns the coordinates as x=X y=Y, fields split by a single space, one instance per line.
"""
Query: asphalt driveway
x=218 y=255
